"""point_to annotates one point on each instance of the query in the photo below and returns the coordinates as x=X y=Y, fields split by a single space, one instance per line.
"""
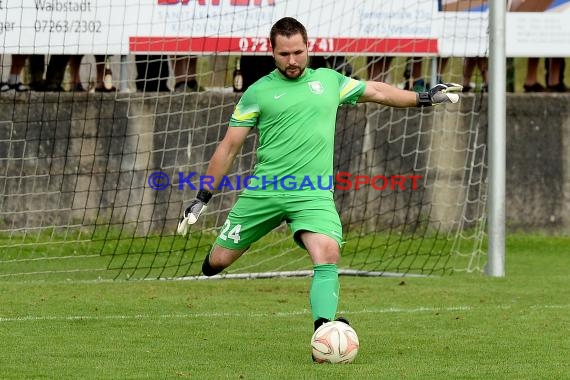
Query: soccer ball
x=335 y=342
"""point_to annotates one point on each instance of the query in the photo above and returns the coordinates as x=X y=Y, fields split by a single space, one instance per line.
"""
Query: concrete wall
x=78 y=159
x=538 y=162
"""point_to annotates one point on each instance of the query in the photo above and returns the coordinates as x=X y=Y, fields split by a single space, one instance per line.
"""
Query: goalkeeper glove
x=193 y=211
x=441 y=93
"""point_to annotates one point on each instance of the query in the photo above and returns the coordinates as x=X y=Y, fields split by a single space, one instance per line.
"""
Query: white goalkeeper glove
x=441 y=93
x=193 y=211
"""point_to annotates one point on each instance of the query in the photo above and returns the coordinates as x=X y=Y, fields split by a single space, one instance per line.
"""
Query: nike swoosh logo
x=278 y=96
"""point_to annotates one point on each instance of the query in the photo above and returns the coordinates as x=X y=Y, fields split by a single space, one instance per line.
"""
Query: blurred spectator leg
x=14 y=78
x=531 y=80
x=37 y=66
x=152 y=73
x=219 y=65
x=441 y=67
x=468 y=69
x=483 y=66
x=75 y=69
x=379 y=69
x=413 y=75
x=469 y=65
x=104 y=76
x=510 y=74
x=184 y=68
x=555 y=75
x=55 y=72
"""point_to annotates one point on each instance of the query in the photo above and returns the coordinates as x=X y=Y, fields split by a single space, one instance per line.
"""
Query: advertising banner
x=335 y=27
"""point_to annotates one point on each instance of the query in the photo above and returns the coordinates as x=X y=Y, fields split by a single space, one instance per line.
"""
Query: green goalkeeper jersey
x=296 y=121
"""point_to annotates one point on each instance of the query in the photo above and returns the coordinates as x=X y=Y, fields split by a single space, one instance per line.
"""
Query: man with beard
x=294 y=109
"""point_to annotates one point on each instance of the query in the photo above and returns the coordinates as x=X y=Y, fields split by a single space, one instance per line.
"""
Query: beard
x=287 y=72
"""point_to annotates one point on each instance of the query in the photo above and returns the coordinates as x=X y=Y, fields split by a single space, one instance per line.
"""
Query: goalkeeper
x=294 y=109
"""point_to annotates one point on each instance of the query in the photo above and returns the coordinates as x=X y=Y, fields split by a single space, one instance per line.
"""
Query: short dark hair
x=287 y=26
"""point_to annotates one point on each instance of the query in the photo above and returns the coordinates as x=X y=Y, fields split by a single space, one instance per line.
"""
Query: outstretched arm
x=383 y=93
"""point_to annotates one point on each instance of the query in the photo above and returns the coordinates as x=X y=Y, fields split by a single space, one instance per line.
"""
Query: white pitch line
x=31 y=318
x=391 y=310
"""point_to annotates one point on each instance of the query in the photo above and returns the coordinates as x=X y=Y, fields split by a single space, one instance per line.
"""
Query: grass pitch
x=463 y=326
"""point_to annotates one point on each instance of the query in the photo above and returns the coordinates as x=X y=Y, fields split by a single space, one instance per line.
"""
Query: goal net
x=97 y=166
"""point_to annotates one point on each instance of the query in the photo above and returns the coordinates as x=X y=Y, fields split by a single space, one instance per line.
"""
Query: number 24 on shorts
x=232 y=234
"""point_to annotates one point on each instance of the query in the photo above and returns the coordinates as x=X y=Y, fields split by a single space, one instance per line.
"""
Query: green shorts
x=251 y=218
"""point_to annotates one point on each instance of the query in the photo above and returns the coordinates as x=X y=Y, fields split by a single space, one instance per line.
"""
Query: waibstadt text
x=341 y=181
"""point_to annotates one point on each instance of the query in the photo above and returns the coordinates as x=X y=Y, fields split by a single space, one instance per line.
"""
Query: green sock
x=324 y=291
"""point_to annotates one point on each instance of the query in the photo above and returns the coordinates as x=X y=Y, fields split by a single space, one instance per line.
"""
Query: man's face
x=291 y=55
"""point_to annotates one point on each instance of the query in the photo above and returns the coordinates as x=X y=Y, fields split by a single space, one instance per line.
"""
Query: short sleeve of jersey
x=350 y=89
x=246 y=112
